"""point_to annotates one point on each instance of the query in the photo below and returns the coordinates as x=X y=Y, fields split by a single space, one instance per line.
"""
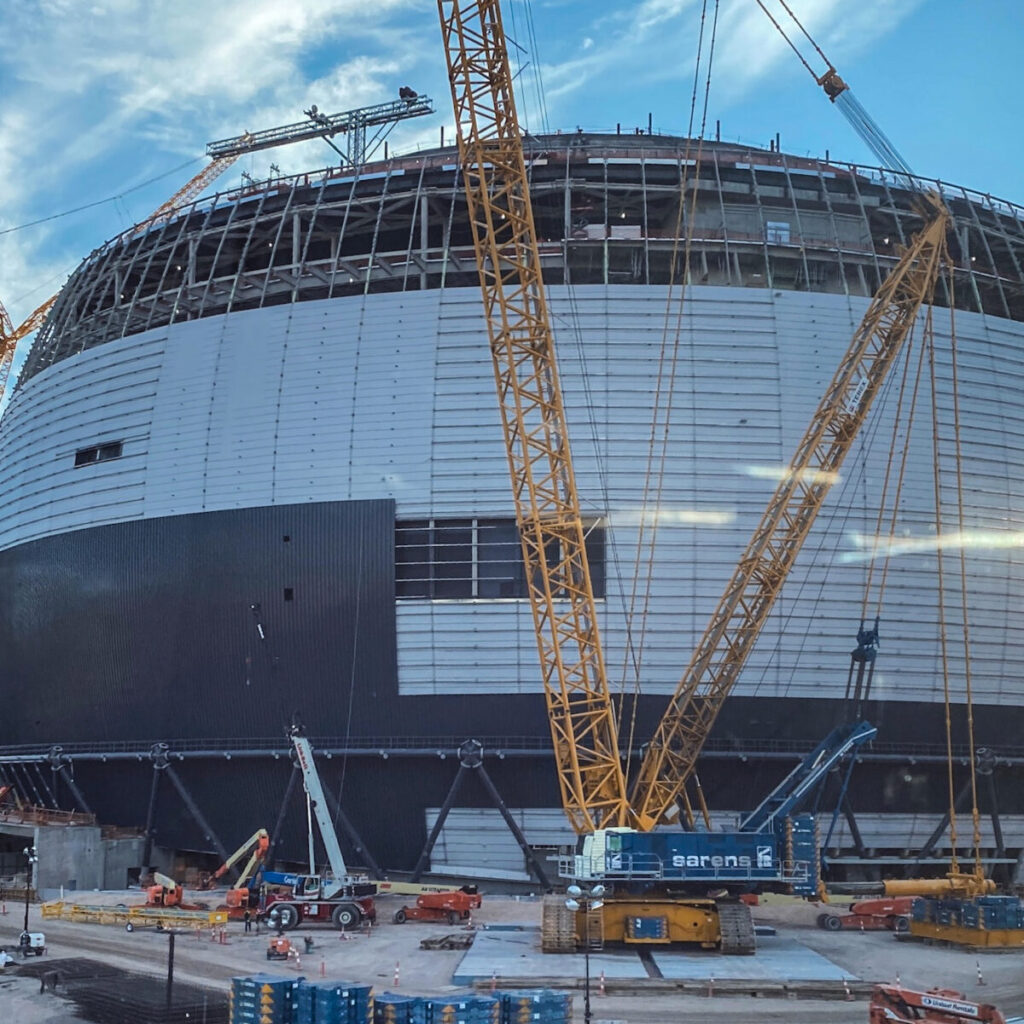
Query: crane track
x=736 y=927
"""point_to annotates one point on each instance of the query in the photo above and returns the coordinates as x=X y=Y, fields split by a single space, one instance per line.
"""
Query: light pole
x=30 y=858
x=585 y=901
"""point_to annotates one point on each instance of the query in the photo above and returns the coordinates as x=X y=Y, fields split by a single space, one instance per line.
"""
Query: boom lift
x=583 y=725
x=893 y=1004
x=243 y=895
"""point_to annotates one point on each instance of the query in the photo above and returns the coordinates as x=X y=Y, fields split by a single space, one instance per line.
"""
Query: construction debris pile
x=271 y=999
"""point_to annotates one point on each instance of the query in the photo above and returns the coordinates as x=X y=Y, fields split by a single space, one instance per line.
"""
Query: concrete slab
x=515 y=953
x=778 y=958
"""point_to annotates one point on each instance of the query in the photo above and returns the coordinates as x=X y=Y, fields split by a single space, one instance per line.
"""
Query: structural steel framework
x=604 y=209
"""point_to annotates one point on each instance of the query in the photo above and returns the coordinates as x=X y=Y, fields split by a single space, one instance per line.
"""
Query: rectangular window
x=99 y=453
x=473 y=558
x=776 y=232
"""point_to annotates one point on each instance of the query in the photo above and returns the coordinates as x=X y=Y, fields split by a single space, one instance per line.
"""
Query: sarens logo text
x=729 y=860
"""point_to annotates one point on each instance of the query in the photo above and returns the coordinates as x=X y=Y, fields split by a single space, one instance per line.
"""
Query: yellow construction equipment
x=584 y=730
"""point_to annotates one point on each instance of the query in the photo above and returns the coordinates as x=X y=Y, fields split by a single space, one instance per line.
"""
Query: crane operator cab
x=308 y=886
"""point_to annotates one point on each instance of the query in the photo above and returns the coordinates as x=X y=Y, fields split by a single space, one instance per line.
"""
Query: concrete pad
x=516 y=954
x=778 y=958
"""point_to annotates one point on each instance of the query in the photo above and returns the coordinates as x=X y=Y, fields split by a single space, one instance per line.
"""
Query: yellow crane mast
x=671 y=757
x=583 y=725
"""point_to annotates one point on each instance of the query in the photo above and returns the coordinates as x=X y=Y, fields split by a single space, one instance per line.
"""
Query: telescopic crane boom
x=318 y=803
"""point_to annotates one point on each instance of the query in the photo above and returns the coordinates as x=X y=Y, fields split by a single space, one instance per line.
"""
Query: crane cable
x=667 y=363
x=800 y=56
x=965 y=619
x=881 y=529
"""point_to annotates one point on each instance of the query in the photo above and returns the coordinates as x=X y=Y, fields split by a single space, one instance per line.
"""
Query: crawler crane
x=649 y=871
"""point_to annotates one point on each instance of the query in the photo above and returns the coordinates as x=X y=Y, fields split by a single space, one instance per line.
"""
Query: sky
x=112 y=102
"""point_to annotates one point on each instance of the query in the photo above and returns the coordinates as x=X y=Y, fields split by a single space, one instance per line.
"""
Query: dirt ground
x=374 y=957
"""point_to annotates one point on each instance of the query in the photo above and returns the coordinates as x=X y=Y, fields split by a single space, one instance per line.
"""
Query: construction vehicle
x=889 y=904
x=31 y=944
x=870 y=916
x=453 y=907
x=279 y=948
x=591 y=773
x=166 y=892
x=893 y=1004
x=244 y=894
x=340 y=899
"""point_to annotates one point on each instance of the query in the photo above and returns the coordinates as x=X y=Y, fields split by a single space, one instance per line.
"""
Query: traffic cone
x=981 y=980
x=711 y=986
x=494 y=980
x=898 y=979
x=846 y=989
x=395 y=982
x=3 y=909
x=600 y=985
x=323 y=968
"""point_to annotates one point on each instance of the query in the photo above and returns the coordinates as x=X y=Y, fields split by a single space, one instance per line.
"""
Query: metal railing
x=650 y=867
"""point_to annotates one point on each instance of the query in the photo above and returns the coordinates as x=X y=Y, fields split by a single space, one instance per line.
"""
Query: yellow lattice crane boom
x=583 y=724
x=580 y=711
x=671 y=757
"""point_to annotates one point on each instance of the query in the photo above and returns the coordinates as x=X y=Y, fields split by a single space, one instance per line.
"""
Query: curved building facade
x=253 y=470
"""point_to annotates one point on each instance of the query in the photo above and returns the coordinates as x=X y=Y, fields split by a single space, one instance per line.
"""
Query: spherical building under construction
x=253 y=470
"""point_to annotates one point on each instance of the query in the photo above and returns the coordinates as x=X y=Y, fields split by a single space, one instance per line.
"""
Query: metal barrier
x=132 y=917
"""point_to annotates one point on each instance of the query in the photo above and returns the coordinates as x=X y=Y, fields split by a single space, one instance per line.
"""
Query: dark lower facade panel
x=213 y=632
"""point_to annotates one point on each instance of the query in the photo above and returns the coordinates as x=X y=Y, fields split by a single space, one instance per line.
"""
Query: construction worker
x=247 y=918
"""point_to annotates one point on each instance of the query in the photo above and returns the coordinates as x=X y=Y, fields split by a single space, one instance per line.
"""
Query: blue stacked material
x=334 y=1002
x=992 y=913
x=389 y=1008
x=263 y=999
x=535 y=1006
x=466 y=1008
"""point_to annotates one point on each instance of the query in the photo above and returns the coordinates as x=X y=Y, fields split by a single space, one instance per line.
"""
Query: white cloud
x=100 y=97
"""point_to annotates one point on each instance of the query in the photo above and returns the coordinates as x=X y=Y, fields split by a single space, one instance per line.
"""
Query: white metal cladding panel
x=750 y=370
x=84 y=401
x=478 y=840
x=393 y=395
x=176 y=470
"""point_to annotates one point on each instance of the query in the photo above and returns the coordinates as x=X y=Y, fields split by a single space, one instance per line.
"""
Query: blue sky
x=100 y=96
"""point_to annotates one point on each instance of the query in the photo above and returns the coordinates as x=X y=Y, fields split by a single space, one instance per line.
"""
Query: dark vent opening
x=99 y=453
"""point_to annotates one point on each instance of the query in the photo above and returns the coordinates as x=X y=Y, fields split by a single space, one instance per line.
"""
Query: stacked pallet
x=469 y=1008
x=535 y=1006
x=334 y=1002
x=263 y=999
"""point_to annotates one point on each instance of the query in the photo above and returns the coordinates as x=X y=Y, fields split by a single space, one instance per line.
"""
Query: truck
x=341 y=899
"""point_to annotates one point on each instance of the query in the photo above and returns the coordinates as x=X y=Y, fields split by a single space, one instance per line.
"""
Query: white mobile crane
x=342 y=899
